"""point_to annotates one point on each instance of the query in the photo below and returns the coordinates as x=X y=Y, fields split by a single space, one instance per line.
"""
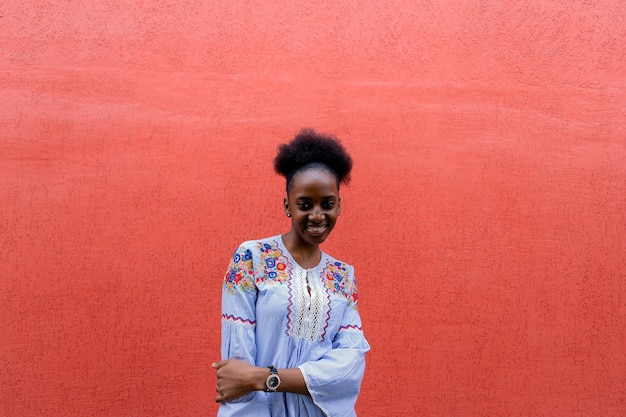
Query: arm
x=334 y=381
x=236 y=378
x=239 y=295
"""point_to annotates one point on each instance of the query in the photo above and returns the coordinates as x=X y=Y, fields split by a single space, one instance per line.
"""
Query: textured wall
x=486 y=219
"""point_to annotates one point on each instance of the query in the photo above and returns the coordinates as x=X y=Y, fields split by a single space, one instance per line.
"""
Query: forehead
x=314 y=182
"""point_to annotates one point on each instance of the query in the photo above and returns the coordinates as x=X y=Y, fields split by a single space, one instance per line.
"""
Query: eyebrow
x=328 y=197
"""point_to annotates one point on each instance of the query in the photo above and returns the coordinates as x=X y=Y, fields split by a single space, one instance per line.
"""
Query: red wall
x=486 y=219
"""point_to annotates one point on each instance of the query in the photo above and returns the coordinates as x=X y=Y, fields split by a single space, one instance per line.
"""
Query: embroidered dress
x=275 y=312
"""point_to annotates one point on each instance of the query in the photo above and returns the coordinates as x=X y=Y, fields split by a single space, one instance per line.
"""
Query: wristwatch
x=273 y=381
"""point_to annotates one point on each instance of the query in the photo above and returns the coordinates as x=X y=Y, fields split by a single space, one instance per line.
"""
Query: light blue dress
x=275 y=312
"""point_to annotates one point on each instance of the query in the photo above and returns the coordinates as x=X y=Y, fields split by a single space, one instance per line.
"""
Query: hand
x=236 y=378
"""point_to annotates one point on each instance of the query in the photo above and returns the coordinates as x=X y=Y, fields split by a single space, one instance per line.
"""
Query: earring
x=288 y=214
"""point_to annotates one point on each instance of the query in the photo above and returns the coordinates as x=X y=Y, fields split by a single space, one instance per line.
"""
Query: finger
x=219 y=364
x=220 y=398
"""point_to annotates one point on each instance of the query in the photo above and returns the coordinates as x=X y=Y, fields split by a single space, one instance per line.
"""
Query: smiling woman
x=292 y=341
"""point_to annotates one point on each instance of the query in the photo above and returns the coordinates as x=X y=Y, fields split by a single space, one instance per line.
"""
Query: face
x=313 y=203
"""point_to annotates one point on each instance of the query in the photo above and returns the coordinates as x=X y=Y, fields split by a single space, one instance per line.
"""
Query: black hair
x=310 y=149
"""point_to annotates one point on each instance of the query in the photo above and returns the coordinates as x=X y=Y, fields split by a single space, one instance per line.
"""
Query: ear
x=338 y=207
x=286 y=207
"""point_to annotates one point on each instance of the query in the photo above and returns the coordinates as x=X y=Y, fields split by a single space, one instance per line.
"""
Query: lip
x=317 y=229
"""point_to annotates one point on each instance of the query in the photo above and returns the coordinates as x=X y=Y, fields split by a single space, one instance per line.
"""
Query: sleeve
x=334 y=381
x=239 y=295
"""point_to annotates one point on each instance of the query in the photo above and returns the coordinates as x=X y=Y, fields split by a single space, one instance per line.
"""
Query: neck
x=306 y=255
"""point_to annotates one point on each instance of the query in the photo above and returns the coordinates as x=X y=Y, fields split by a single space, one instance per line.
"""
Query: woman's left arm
x=236 y=378
x=334 y=381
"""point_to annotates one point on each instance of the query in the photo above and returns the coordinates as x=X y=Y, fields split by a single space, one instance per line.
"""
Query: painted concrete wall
x=486 y=218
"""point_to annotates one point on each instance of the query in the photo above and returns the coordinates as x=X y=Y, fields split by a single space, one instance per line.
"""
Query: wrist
x=260 y=376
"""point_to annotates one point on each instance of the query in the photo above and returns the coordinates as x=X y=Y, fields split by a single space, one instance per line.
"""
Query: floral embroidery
x=274 y=264
x=337 y=278
x=239 y=274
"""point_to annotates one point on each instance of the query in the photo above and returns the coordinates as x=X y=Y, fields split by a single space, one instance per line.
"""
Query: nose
x=317 y=215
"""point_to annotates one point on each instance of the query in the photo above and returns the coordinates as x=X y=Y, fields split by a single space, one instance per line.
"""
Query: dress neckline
x=279 y=238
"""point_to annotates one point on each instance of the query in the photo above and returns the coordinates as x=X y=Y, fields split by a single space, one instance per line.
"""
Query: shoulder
x=257 y=250
x=339 y=278
x=336 y=264
x=256 y=246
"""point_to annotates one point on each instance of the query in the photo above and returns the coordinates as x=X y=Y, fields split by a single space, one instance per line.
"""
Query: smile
x=316 y=229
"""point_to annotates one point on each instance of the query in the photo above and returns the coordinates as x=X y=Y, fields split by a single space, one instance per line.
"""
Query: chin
x=322 y=238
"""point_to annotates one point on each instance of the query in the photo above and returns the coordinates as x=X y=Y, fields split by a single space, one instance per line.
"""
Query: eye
x=328 y=205
x=304 y=206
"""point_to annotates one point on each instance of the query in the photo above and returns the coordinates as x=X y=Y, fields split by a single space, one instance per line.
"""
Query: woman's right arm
x=239 y=294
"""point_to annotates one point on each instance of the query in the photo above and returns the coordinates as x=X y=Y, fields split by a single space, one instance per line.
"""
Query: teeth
x=316 y=228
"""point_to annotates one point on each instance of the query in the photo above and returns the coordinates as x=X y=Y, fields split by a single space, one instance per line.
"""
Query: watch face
x=272 y=382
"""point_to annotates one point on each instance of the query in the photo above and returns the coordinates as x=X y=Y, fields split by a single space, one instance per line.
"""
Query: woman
x=292 y=343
